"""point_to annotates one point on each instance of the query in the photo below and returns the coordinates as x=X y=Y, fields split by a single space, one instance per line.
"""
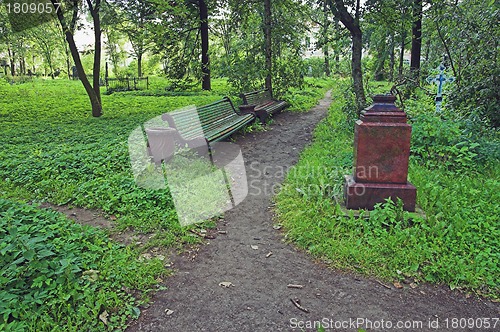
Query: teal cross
x=440 y=79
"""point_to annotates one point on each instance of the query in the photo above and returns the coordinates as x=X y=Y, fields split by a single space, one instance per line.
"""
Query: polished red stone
x=381 y=153
x=366 y=195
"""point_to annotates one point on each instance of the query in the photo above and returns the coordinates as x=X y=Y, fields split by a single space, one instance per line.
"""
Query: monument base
x=366 y=195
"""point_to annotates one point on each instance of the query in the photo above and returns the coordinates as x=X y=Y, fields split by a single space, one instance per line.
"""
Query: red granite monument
x=381 y=153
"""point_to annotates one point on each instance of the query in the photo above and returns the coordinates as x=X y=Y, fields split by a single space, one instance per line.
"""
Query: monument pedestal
x=366 y=195
x=381 y=153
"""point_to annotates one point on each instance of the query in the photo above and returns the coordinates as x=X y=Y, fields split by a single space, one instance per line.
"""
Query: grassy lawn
x=456 y=244
x=56 y=273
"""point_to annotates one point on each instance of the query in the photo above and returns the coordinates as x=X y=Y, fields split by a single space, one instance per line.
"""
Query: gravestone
x=381 y=154
x=4 y=64
x=74 y=73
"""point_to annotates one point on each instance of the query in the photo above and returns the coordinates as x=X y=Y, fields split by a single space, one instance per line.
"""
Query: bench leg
x=224 y=174
x=262 y=115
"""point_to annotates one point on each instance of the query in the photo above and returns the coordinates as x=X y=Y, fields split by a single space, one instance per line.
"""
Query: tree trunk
x=326 y=24
x=402 y=53
x=96 y=72
x=392 y=59
x=205 y=61
x=139 y=64
x=48 y=56
x=12 y=54
x=22 y=67
x=416 y=40
x=268 y=45
x=382 y=50
x=68 y=64
x=327 y=61
x=427 y=53
x=352 y=24
x=357 y=73
x=94 y=98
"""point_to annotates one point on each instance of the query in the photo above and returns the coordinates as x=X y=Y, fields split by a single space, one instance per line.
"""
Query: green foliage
x=454 y=144
x=314 y=67
x=455 y=243
x=471 y=44
x=58 y=274
x=349 y=107
x=438 y=143
x=244 y=59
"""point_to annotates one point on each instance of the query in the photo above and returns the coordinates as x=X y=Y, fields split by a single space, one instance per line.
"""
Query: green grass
x=53 y=150
x=457 y=244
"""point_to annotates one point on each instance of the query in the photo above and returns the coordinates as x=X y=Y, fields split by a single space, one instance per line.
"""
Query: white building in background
x=311 y=41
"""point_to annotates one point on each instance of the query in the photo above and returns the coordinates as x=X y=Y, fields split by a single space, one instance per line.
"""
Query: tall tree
x=325 y=26
x=47 y=38
x=134 y=20
x=268 y=44
x=205 y=61
x=416 y=40
x=352 y=23
x=320 y=15
x=92 y=91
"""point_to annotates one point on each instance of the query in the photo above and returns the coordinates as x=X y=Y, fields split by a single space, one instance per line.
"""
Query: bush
x=453 y=145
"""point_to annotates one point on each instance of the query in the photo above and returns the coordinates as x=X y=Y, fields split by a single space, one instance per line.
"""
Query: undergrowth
x=55 y=273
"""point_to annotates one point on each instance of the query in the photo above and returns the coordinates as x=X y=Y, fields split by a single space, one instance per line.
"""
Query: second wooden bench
x=264 y=104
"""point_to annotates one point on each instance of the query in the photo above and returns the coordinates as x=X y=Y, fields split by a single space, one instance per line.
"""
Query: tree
x=134 y=19
x=352 y=23
x=47 y=38
x=205 y=61
x=416 y=40
x=465 y=33
x=92 y=91
x=268 y=45
x=325 y=25
x=321 y=17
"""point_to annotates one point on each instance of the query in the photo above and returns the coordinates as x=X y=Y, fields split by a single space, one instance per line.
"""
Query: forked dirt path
x=260 y=299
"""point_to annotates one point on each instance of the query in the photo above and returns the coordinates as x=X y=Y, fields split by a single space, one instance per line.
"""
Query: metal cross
x=440 y=79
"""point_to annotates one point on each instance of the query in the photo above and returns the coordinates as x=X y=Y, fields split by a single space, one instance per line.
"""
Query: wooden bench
x=264 y=104
x=212 y=122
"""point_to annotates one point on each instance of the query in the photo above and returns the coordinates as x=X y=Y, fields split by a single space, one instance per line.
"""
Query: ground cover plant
x=456 y=244
x=55 y=273
x=52 y=150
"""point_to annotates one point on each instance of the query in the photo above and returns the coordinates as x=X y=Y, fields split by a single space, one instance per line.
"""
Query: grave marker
x=440 y=79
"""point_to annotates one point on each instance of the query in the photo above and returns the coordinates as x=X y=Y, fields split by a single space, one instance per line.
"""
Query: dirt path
x=260 y=298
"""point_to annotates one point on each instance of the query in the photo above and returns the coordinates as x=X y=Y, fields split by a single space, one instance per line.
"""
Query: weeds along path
x=258 y=297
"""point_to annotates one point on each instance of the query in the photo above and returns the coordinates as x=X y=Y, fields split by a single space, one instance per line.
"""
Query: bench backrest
x=195 y=122
x=256 y=97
